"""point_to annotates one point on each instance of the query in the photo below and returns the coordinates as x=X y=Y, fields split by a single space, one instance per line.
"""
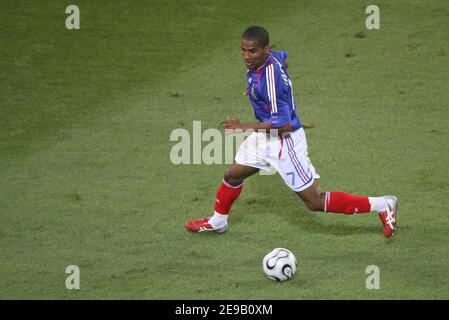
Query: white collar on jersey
x=263 y=65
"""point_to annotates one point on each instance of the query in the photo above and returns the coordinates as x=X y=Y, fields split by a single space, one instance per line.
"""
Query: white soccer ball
x=279 y=264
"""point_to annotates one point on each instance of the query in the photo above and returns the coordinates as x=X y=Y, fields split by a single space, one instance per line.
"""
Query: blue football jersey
x=270 y=92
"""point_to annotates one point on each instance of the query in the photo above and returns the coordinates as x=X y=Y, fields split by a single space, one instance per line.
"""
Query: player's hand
x=232 y=124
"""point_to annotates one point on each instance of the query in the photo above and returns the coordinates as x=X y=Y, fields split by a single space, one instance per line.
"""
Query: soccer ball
x=279 y=264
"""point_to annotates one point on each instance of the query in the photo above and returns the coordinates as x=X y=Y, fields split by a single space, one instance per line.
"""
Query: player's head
x=255 y=47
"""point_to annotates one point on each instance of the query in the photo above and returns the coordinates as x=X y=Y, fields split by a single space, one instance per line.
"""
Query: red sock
x=226 y=196
x=340 y=202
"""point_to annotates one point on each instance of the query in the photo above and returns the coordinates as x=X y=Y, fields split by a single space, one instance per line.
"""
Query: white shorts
x=287 y=154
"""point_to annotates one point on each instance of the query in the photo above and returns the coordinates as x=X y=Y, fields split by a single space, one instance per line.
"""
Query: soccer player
x=270 y=93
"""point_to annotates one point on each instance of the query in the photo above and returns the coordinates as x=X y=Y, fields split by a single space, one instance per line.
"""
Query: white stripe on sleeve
x=271 y=86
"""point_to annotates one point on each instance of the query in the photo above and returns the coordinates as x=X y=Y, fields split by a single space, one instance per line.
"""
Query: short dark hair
x=258 y=34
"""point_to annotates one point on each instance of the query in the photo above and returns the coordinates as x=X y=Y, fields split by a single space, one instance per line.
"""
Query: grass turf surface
x=86 y=178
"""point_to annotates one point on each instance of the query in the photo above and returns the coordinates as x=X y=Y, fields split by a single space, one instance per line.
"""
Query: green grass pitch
x=86 y=177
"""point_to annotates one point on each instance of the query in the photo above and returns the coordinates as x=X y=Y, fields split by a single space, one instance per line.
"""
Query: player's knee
x=227 y=175
x=314 y=205
x=231 y=178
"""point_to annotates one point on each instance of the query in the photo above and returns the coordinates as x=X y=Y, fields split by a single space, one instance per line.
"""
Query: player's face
x=254 y=55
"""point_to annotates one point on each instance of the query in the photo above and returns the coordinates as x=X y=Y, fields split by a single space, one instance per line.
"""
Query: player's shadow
x=335 y=224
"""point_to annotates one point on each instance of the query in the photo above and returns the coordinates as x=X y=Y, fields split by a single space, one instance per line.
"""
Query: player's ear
x=267 y=49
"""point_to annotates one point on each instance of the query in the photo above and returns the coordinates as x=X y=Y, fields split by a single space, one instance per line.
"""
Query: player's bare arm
x=235 y=124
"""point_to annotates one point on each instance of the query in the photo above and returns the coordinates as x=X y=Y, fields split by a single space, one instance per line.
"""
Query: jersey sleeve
x=277 y=96
x=281 y=56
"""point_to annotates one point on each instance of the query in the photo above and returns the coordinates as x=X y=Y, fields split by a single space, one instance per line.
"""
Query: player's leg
x=236 y=173
x=300 y=175
x=341 y=202
x=313 y=197
x=337 y=202
x=248 y=161
x=228 y=191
